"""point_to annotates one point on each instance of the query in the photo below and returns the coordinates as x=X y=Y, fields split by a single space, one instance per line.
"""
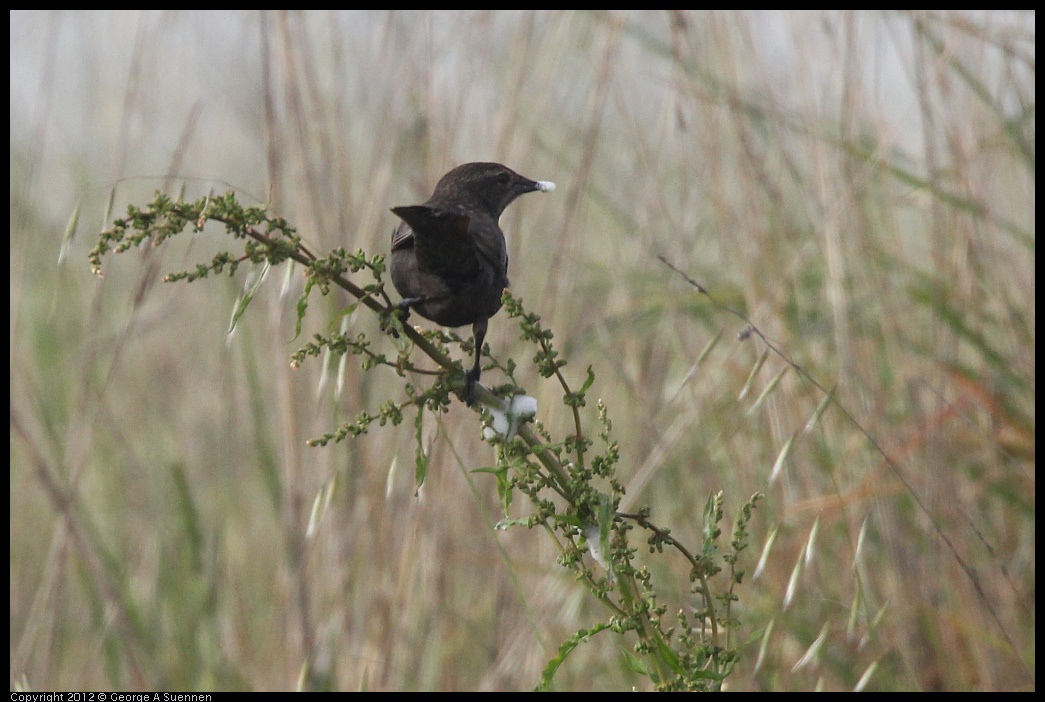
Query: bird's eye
x=503 y=179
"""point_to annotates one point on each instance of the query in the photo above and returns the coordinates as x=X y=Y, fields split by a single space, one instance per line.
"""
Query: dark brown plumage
x=449 y=260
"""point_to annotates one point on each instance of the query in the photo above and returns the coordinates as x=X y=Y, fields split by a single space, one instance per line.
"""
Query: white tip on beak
x=545 y=186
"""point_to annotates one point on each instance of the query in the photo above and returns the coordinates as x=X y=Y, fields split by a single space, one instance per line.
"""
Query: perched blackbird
x=449 y=260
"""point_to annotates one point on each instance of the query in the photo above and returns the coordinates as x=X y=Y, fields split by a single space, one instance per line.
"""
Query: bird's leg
x=471 y=377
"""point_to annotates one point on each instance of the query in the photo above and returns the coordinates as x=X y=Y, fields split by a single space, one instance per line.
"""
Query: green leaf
x=248 y=297
x=420 y=458
x=635 y=663
x=504 y=485
x=588 y=382
x=564 y=650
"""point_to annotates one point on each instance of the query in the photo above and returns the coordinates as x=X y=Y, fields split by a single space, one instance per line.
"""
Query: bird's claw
x=402 y=309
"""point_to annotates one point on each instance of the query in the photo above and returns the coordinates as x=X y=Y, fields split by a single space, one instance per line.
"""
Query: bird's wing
x=441 y=239
x=402 y=236
x=488 y=240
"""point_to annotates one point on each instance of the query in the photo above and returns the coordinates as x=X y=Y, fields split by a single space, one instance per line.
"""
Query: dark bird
x=449 y=260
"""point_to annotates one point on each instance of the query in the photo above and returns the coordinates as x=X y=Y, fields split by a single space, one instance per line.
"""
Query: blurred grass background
x=860 y=185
